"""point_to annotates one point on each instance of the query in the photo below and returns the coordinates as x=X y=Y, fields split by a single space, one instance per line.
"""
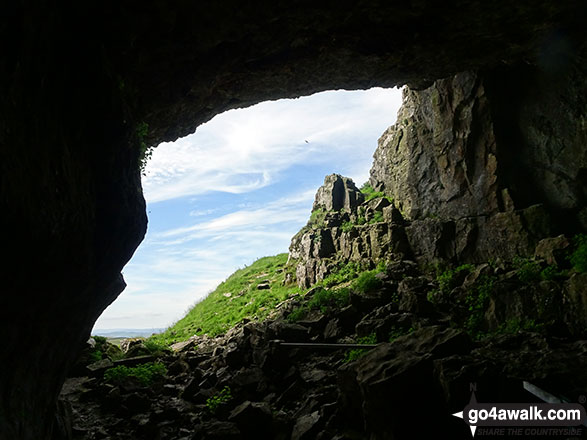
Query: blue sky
x=238 y=189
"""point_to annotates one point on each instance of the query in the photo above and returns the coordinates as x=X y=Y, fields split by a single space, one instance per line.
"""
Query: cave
x=83 y=80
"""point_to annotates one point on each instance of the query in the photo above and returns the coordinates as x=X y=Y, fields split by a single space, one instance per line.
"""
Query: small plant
x=396 y=332
x=96 y=356
x=528 y=270
x=357 y=353
x=515 y=325
x=347 y=226
x=579 y=256
x=325 y=299
x=156 y=348
x=141 y=132
x=477 y=301
x=145 y=374
x=370 y=193
x=446 y=279
x=377 y=217
x=317 y=218
x=367 y=282
x=218 y=400
x=297 y=314
x=342 y=273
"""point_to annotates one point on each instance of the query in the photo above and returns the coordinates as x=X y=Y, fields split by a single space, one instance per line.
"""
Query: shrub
x=514 y=325
x=342 y=274
x=477 y=301
x=156 y=348
x=146 y=374
x=396 y=332
x=370 y=193
x=367 y=282
x=446 y=280
x=317 y=217
x=347 y=226
x=579 y=257
x=357 y=353
x=377 y=217
x=218 y=400
x=528 y=270
x=324 y=299
x=297 y=314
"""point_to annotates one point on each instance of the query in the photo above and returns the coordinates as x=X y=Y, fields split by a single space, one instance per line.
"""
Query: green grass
x=219 y=399
x=358 y=353
x=325 y=299
x=579 y=256
x=146 y=374
x=446 y=279
x=342 y=273
x=528 y=270
x=367 y=281
x=477 y=302
x=347 y=226
x=370 y=193
x=233 y=300
x=317 y=218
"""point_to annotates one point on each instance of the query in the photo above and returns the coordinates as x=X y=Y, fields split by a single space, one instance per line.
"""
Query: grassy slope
x=218 y=312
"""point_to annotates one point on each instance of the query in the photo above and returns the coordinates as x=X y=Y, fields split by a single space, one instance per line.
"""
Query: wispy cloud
x=239 y=189
x=246 y=149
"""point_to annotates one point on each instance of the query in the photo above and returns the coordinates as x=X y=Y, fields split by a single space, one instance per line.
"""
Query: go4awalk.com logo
x=553 y=418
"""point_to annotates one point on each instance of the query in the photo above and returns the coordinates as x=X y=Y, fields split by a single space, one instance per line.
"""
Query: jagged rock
x=100 y=366
x=337 y=193
x=306 y=427
x=217 y=430
x=553 y=250
x=576 y=303
x=135 y=360
x=185 y=345
x=253 y=419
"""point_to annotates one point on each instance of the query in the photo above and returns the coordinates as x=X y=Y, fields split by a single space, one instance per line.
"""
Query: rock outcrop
x=470 y=145
x=430 y=347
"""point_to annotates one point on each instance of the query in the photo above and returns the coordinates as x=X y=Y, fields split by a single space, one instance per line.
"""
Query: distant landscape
x=127 y=332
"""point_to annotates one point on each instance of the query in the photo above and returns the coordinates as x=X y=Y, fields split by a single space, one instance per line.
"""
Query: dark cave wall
x=78 y=78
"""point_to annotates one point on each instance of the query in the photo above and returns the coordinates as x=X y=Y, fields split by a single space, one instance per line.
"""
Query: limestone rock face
x=440 y=157
x=494 y=141
x=338 y=193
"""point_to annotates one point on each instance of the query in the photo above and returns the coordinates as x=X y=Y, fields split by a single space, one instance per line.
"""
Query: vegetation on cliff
x=251 y=292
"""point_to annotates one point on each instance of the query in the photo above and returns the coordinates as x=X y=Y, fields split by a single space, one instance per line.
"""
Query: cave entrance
x=237 y=190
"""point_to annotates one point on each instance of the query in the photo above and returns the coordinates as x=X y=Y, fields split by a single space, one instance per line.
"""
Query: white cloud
x=247 y=149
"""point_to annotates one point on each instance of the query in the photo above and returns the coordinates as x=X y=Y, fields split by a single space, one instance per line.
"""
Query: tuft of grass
x=297 y=314
x=146 y=374
x=579 y=256
x=317 y=218
x=358 y=353
x=344 y=272
x=367 y=281
x=377 y=217
x=528 y=270
x=370 y=193
x=233 y=300
x=477 y=301
x=347 y=226
x=515 y=325
x=218 y=400
x=446 y=279
x=325 y=299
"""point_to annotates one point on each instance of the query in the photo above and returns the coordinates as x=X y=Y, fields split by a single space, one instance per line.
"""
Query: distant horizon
x=237 y=190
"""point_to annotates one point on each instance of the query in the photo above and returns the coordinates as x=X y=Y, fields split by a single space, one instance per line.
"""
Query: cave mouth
x=236 y=190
